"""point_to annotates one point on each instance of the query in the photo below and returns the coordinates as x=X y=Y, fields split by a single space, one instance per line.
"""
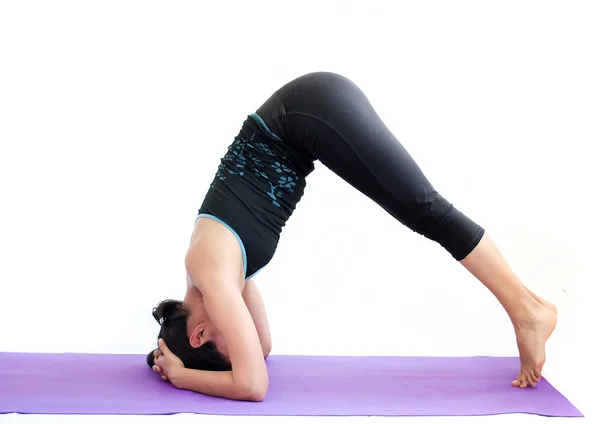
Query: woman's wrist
x=178 y=378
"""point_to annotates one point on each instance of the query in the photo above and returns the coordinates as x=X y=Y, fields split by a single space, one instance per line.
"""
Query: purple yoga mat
x=299 y=385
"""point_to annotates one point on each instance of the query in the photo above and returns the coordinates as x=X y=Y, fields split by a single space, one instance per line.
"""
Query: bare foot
x=532 y=333
x=543 y=302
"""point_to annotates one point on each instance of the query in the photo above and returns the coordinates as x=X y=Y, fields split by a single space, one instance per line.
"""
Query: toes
x=530 y=380
x=164 y=377
x=522 y=380
x=526 y=378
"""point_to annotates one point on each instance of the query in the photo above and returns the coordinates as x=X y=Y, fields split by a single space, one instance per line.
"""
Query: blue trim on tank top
x=262 y=124
x=219 y=220
x=253 y=275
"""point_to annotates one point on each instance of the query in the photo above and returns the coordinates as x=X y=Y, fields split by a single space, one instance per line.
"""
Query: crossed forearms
x=216 y=383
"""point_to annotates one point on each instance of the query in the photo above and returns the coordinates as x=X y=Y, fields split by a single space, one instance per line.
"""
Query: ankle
x=525 y=313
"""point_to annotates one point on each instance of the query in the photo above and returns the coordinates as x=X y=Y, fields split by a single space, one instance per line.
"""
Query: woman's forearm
x=215 y=383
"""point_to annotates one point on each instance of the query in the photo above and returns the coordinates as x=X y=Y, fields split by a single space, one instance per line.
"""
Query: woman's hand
x=166 y=363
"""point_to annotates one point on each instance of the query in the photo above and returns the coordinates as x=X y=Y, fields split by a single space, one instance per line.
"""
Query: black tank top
x=256 y=188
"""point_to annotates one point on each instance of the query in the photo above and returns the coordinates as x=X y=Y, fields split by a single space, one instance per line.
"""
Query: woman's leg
x=545 y=303
x=533 y=322
x=330 y=117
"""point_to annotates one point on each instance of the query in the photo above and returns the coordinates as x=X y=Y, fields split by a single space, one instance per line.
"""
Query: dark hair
x=172 y=317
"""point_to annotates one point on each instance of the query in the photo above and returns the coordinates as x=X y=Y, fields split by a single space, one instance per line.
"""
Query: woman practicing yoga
x=216 y=340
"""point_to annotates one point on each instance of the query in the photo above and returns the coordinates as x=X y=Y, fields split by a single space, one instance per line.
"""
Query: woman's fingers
x=157 y=369
x=158 y=361
x=163 y=347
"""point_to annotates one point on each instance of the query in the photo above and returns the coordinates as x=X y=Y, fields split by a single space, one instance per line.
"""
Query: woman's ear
x=198 y=336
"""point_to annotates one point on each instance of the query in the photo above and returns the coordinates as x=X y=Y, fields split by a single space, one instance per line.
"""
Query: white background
x=114 y=114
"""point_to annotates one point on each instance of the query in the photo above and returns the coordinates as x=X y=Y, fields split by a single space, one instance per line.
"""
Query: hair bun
x=150 y=358
x=165 y=310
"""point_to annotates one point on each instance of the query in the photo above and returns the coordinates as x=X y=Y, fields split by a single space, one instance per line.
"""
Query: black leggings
x=329 y=117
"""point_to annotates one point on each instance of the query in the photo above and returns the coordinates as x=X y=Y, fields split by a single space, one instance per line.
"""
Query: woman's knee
x=437 y=219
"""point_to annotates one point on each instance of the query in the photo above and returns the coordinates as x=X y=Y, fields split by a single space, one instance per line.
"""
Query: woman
x=216 y=340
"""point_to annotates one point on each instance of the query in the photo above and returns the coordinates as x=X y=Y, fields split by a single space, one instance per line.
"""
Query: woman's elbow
x=257 y=396
x=253 y=392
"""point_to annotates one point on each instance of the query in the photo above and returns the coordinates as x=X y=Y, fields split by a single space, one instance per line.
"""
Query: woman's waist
x=247 y=216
